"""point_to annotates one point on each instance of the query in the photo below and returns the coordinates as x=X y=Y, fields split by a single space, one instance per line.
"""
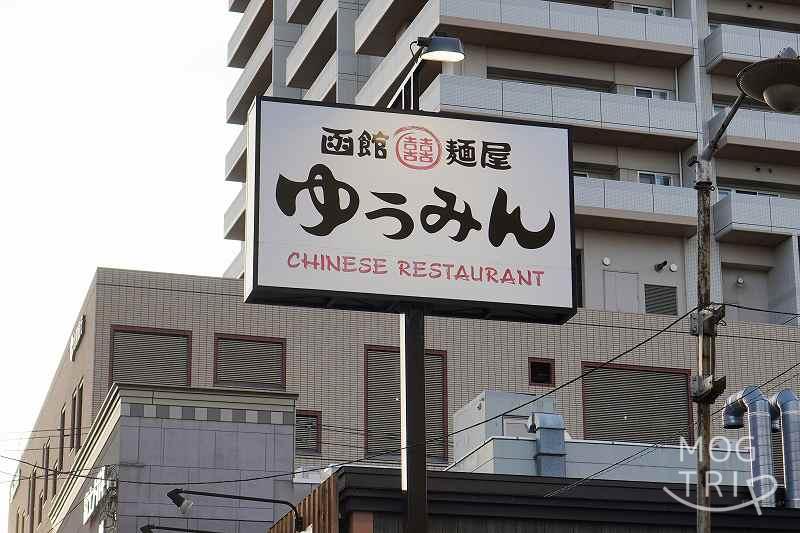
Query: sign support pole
x=412 y=418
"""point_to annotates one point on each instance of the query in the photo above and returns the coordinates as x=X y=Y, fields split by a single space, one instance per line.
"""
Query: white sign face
x=359 y=208
x=76 y=336
x=95 y=494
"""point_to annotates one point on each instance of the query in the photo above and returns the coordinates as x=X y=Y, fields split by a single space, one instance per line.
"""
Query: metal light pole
x=185 y=504
x=414 y=473
x=775 y=82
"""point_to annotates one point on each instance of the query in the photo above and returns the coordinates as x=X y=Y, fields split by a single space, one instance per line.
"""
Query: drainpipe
x=751 y=403
x=788 y=405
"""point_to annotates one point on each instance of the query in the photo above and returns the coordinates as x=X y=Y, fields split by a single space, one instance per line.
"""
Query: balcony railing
x=760 y=125
x=254 y=79
x=254 y=22
x=546 y=27
x=729 y=47
x=313 y=48
x=756 y=213
x=759 y=136
x=234 y=217
x=631 y=196
x=563 y=105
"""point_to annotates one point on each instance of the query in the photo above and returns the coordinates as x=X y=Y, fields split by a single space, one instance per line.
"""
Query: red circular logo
x=417 y=147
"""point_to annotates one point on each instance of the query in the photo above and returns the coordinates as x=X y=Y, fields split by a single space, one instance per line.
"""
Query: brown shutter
x=250 y=363
x=150 y=358
x=435 y=426
x=661 y=300
x=383 y=403
x=308 y=433
x=636 y=405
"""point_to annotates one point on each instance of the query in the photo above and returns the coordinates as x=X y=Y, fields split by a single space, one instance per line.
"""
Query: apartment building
x=643 y=85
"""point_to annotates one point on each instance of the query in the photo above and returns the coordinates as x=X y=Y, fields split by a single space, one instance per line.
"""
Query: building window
x=61 y=425
x=541 y=371
x=257 y=362
x=660 y=300
x=72 y=423
x=308 y=432
x=654 y=178
x=22 y=526
x=619 y=402
x=46 y=463
x=32 y=501
x=579 y=277
x=54 y=485
x=150 y=356
x=650 y=10
x=646 y=92
x=41 y=508
x=78 y=416
x=382 y=401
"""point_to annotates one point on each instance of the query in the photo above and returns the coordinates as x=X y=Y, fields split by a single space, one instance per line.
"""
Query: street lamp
x=185 y=504
x=439 y=48
x=149 y=528
x=775 y=82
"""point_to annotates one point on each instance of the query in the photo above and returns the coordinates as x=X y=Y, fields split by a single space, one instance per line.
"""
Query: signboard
x=96 y=493
x=357 y=208
x=76 y=336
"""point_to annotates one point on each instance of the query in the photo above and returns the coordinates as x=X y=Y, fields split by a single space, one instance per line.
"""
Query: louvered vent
x=777 y=456
x=249 y=363
x=636 y=405
x=383 y=402
x=308 y=432
x=150 y=358
x=661 y=300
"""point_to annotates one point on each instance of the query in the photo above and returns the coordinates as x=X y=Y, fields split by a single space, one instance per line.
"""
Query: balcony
x=529 y=25
x=760 y=220
x=600 y=118
x=301 y=11
x=759 y=136
x=379 y=22
x=255 y=20
x=235 y=159
x=234 y=217
x=236 y=269
x=731 y=48
x=254 y=80
x=324 y=87
x=237 y=6
x=635 y=207
x=315 y=46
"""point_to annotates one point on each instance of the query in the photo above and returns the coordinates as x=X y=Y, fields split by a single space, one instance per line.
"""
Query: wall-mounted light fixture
x=660 y=266
x=740 y=281
x=673 y=267
x=606 y=261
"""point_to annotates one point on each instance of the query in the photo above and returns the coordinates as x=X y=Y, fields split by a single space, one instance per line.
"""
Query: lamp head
x=441 y=49
x=775 y=81
x=183 y=504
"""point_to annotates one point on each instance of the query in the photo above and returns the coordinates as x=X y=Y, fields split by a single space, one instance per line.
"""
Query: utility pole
x=705 y=389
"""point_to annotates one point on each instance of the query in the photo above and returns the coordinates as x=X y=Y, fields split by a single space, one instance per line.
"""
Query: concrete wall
x=630 y=253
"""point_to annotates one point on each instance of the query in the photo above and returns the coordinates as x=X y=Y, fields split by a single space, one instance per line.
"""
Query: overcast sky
x=112 y=147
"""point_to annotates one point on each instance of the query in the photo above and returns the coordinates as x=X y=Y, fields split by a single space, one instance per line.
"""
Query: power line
x=431 y=440
x=657 y=445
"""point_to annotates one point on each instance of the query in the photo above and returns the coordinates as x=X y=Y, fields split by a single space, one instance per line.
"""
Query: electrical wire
x=653 y=447
x=427 y=441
